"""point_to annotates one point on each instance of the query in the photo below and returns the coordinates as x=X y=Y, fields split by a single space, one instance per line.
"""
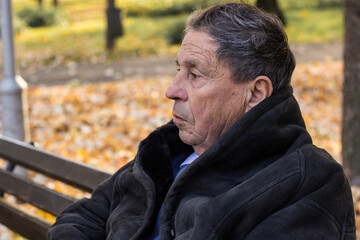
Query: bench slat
x=33 y=193
x=74 y=173
x=27 y=226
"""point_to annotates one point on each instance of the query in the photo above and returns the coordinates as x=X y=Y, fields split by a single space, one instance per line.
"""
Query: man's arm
x=305 y=219
x=86 y=218
x=325 y=210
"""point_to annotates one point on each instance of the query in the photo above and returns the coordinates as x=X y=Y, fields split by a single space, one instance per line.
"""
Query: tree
x=114 y=24
x=271 y=6
x=351 y=91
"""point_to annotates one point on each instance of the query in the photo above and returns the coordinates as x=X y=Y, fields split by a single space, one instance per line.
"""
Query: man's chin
x=187 y=137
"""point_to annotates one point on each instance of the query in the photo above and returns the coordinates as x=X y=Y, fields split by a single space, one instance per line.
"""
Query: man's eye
x=178 y=69
x=194 y=75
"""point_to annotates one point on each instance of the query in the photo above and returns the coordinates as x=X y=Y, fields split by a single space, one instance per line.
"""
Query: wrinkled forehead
x=197 y=48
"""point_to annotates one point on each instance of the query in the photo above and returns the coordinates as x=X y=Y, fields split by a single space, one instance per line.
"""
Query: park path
x=151 y=67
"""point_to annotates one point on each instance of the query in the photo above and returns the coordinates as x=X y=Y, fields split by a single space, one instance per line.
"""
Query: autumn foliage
x=101 y=124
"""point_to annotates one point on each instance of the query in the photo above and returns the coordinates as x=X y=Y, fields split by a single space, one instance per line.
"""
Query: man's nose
x=176 y=90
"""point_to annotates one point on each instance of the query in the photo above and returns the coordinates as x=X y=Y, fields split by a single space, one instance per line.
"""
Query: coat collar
x=275 y=126
x=272 y=128
x=264 y=134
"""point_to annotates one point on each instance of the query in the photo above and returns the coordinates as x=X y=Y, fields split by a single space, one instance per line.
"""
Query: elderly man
x=251 y=170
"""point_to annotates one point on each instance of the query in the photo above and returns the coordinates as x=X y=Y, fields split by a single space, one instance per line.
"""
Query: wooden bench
x=59 y=168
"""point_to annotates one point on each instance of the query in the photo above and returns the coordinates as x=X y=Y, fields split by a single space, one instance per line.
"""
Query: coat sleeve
x=321 y=208
x=86 y=218
x=305 y=219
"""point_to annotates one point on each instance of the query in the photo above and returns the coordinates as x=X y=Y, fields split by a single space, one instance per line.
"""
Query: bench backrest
x=65 y=170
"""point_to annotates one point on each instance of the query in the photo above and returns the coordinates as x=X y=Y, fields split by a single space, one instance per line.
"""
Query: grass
x=314 y=25
x=81 y=38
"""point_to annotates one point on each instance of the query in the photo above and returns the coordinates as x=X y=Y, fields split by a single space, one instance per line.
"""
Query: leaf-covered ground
x=102 y=124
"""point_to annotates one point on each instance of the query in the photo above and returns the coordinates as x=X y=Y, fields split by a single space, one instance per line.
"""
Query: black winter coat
x=263 y=179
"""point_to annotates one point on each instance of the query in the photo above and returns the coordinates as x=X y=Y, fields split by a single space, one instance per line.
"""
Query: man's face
x=207 y=100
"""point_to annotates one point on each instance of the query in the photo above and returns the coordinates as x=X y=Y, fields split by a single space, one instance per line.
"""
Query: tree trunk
x=114 y=24
x=111 y=3
x=55 y=3
x=351 y=91
x=40 y=2
x=271 y=6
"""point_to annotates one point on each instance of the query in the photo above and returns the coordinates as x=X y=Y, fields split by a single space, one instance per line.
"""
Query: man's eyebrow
x=191 y=63
x=188 y=63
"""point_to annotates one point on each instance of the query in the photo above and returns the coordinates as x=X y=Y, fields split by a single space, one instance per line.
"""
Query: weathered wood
x=27 y=226
x=65 y=170
x=74 y=173
x=351 y=92
x=35 y=194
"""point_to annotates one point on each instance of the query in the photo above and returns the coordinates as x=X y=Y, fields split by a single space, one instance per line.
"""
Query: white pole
x=13 y=88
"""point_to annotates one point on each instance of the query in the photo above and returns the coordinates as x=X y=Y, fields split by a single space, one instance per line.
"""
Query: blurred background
x=64 y=30
x=94 y=93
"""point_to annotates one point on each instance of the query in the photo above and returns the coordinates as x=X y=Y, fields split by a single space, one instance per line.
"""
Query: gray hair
x=251 y=42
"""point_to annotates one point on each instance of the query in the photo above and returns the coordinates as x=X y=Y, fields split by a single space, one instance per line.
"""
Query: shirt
x=155 y=233
x=187 y=162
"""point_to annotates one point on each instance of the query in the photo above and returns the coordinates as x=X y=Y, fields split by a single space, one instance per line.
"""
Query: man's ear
x=260 y=88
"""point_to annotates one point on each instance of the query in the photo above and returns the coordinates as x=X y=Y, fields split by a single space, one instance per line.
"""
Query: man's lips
x=177 y=118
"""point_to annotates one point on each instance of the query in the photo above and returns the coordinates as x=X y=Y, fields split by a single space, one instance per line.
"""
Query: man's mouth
x=178 y=119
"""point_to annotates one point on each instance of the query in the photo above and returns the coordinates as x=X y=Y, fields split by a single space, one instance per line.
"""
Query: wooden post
x=351 y=92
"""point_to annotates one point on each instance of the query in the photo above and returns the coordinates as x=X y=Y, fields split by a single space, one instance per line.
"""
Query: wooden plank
x=74 y=173
x=33 y=193
x=27 y=226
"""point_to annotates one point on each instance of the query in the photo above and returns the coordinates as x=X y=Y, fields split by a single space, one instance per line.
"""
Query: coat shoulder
x=325 y=186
